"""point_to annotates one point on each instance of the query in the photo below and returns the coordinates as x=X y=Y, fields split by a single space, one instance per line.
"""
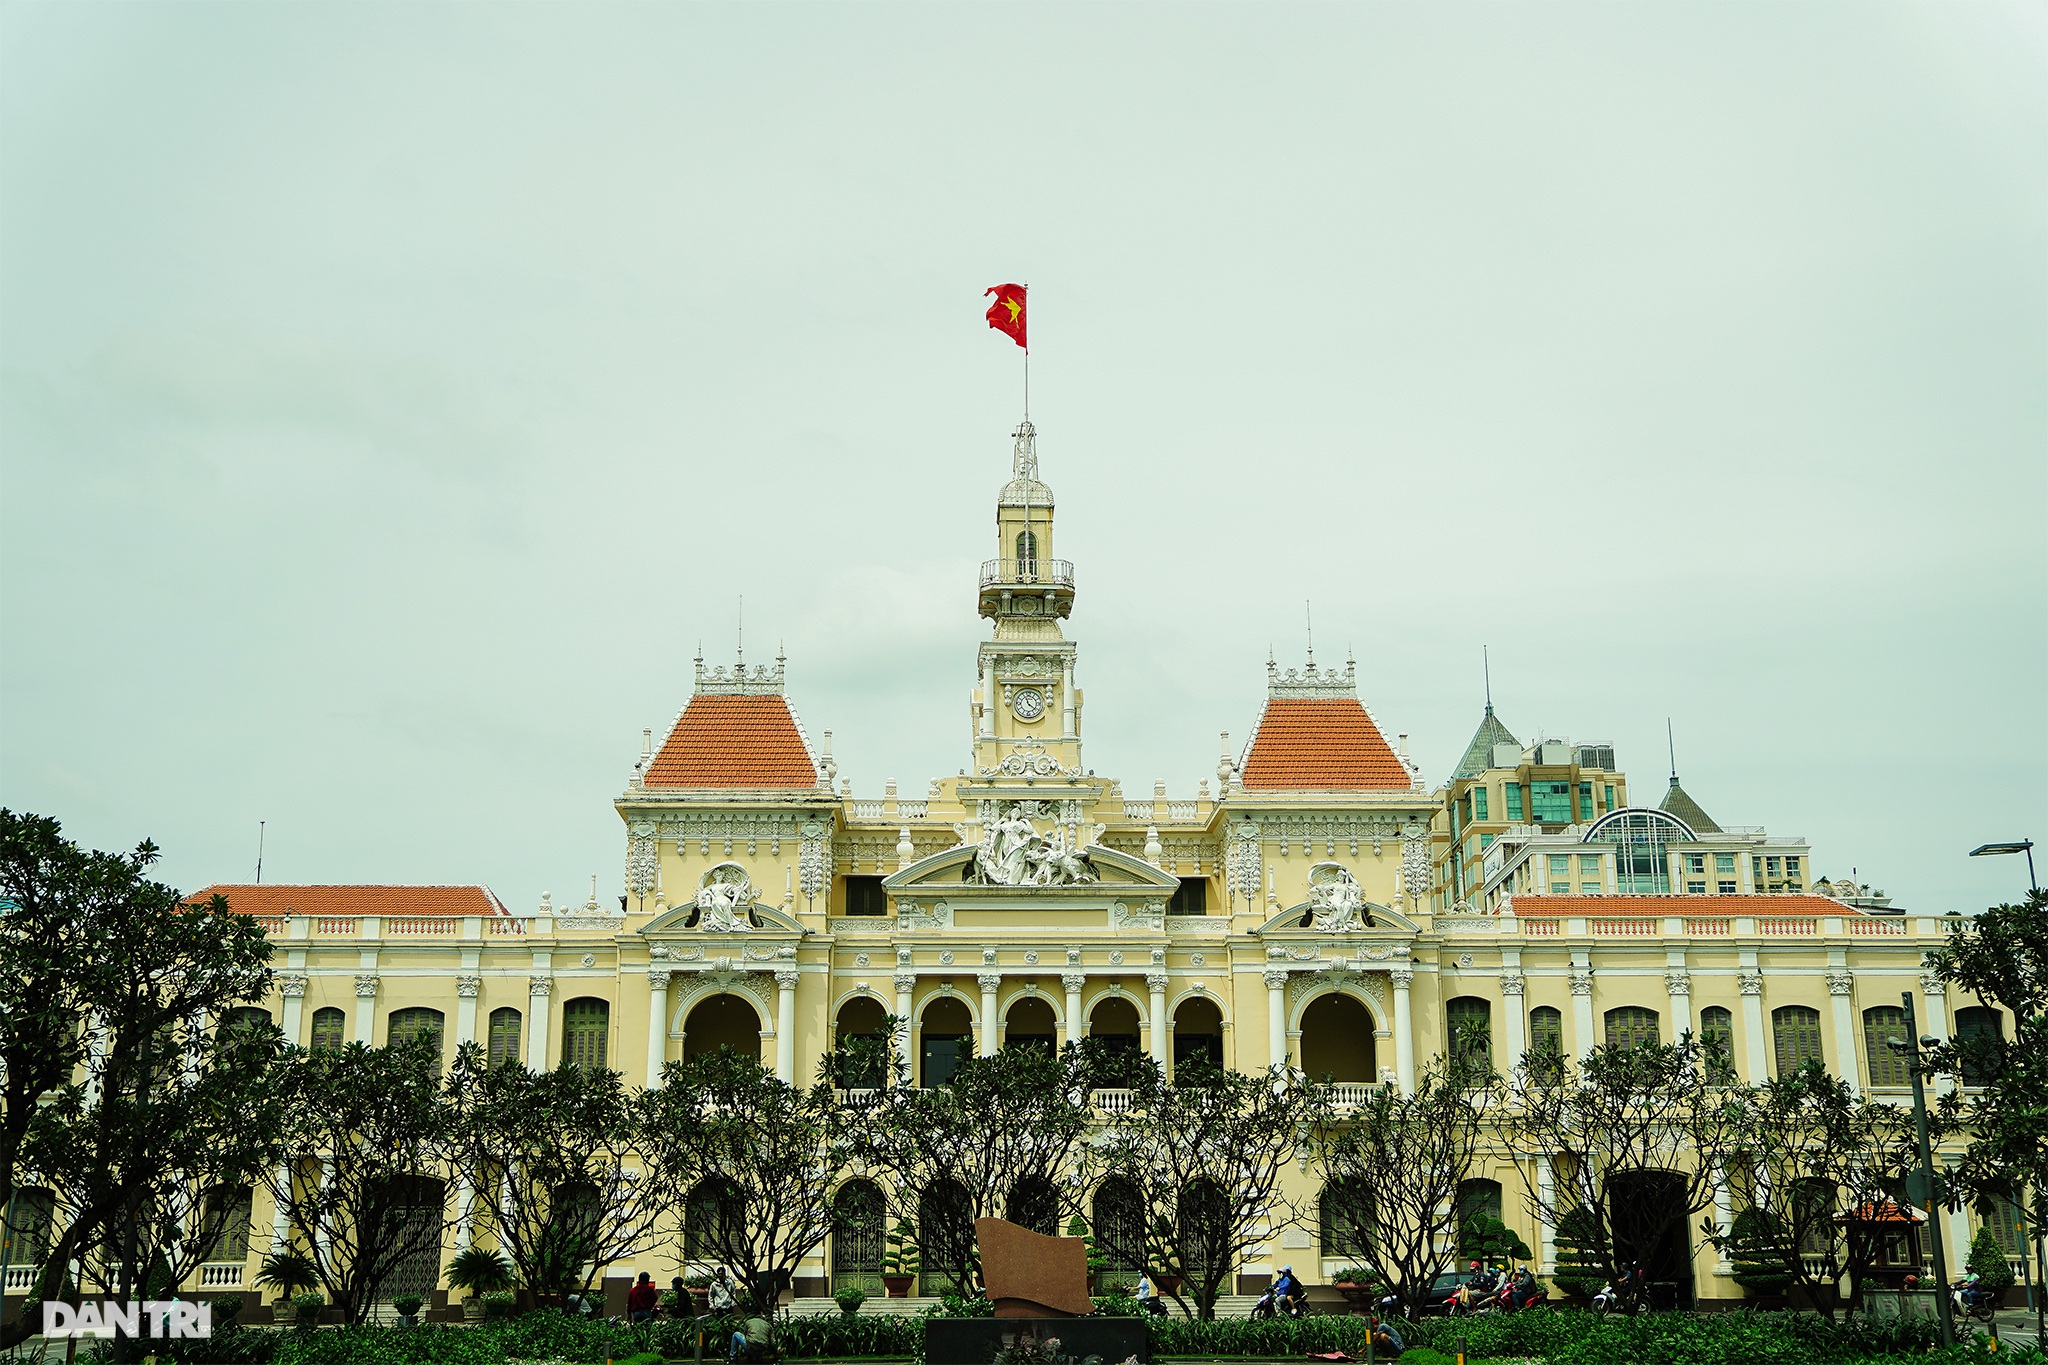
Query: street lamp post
x=2040 y=1219
x=1912 y=1051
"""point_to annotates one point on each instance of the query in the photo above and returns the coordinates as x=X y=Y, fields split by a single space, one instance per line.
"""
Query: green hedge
x=1562 y=1336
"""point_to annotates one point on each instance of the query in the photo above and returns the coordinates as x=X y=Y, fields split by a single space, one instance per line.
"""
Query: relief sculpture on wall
x=1013 y=853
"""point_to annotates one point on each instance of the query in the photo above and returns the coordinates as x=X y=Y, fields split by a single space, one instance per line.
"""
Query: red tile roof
x=1321 y=744
x=734 y=741
x=401 y=901
x=1699 y=907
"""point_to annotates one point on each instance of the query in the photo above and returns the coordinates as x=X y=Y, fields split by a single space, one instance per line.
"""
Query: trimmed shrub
x=1987 y=1258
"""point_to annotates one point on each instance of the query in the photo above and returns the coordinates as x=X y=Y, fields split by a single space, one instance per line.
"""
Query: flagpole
x=1027 y=355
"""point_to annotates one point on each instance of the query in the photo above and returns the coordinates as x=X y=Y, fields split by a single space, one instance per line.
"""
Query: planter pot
x=700 y=1300
x=472 y=1309
x=306 y=1318
x=409 y=1319
x=898 y=1286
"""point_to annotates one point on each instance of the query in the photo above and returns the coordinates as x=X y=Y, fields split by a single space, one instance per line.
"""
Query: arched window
x=504 y=1036
x=858 y=1061
x=586 y=1032
x=945 y=1036
x=1198 y=1032
x=1630 y=1025
x=945 y=1236
x=246 y=1016
x=720 y=1023
x=1034 y=1204
x=1115 y=1021
x=713 y=1220
x=1978 y=1032
x=1468 y=1031
x=1345 y=1212
x=1795 y=1032
x=417 y=1022
x=1336 y=1039
x=419 y=1204
x=858 y=1226
x=1476 y=1198
x=25 y=1237
x=1030 y=1023
x=1203 y=1219
x=1881 y=1024
x=228 y=1210
x=329 y=1024
x=1027 y=554
x=1546 y=1045
x=1717 y=1041
x=1640 y=837
x=1119 y=1225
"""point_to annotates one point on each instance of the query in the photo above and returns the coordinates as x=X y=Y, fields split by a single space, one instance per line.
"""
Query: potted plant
x=849 y=1298
x=499 y=1303
x=699 y=1286
x=481 y=1272
x=899 y=1260
x=1356 y=1284
x=307 y=1308
x=225 y=1309
x=407 y=1306
x=290 y=1273
x=1163 y=1281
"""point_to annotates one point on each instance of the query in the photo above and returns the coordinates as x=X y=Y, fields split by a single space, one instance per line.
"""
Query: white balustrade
x=220 y=1275
x=1112 y=1101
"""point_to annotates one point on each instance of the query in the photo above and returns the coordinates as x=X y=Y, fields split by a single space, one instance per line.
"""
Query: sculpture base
x=975 y=1341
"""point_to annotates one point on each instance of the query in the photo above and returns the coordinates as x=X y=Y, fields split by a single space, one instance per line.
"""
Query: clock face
x=1028 y=703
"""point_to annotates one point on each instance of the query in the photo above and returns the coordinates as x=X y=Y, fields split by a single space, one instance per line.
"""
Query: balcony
x=1027 y=573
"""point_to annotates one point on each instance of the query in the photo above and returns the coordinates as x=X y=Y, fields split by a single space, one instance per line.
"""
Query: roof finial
x=1486 y=666
x=739 y=651
x=1672 y=744
x=1309 y=615
x=1024 y=454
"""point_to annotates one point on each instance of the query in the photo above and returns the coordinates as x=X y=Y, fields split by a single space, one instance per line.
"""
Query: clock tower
x=1026 y=706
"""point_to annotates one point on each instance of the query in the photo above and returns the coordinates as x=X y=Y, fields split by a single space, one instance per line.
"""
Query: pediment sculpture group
x=1013 y=853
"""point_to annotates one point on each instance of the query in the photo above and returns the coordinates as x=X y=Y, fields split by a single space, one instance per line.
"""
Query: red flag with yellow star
x=1006 y=314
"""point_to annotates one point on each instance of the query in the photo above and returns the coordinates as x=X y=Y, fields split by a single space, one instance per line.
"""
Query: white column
x=323 y=1236
x=1724 y=1200
x=1067 y=700
x=1932 y=1017
x=1584 y=1039
x=1155 y=986
x=280 y=1224
x=1276 y=1018
x=988 y=981
x=785 y=1024
x=465 y=1200
x=905 y=984
x=366 y=1006
x=538 y=990
x=1849 y=1057
x=1955 y=1224
x=1073 y=981
x=1751 y=983
x=657 y=1026
x=1404 y=1030
x=1678 y=991
x=466 y=988
x=1515 y=1023
x=1546 y=1196
x=292 y=1017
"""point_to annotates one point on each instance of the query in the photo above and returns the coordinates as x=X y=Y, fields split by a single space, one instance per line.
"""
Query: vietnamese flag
x=1006 y=314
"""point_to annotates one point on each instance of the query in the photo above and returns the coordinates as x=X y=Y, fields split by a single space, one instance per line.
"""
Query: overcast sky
x=396 y=395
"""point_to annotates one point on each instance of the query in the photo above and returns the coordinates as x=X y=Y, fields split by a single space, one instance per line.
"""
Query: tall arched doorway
x=859 y=1221
x=722 y=1021
x=1115 y=1021
x=1030 y=1023
x=1198 y=1032
x=945 y=1039
x=858 y=1036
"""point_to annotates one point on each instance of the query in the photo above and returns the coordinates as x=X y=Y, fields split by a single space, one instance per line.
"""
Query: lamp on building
x=2025 y=846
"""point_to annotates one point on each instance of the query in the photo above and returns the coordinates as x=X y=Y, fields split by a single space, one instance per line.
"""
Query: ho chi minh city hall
x=1324 y=903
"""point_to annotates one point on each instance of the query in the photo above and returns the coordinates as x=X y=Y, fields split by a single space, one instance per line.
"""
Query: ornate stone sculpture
x=1013 y=853
x=725 y=900
x=1335 y=900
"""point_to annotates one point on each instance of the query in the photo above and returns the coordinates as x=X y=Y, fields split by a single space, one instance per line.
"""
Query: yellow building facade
x=1321 y=903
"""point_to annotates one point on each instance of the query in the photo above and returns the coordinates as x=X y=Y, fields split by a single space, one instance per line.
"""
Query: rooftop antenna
x=1486 y=667
x=259 y=851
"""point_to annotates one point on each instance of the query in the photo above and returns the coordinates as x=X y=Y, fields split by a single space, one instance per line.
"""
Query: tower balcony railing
x=1034 y=573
